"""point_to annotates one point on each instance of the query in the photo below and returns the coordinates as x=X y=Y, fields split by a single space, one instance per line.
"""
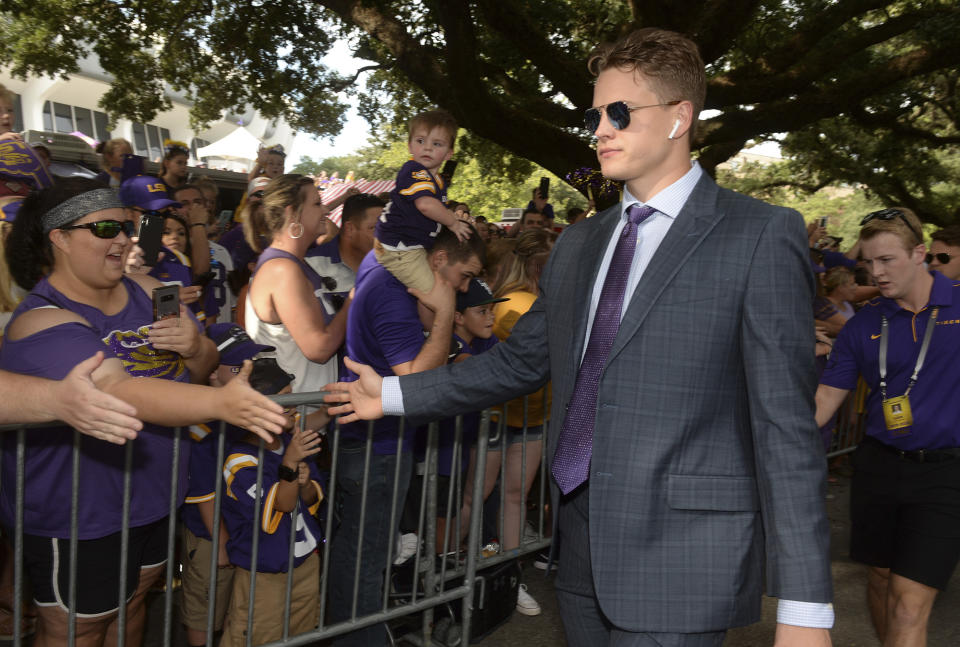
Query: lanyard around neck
x=885 y=341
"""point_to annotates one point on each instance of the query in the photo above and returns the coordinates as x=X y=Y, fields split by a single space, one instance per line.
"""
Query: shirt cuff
x=817 y=615
x=391 y=398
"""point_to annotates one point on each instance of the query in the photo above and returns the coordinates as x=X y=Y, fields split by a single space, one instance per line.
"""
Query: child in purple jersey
x=290 y=487
x=174 y=268
x=69 y=246
x=411 y=221
x=197 y=513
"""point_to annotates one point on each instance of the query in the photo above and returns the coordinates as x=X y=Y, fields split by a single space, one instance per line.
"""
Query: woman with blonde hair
x=282 y=309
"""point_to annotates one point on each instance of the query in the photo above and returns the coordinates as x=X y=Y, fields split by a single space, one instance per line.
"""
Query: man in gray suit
x=676 y=328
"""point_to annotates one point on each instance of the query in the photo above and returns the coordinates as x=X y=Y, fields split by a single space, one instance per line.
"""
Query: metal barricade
x=434 y=582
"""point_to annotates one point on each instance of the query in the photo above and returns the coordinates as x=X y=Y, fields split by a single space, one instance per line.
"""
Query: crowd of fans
x=273 y=304
x=78 y=291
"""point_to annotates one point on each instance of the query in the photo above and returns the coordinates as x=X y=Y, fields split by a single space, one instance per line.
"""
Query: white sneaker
x=407 y=546
x=525 y=602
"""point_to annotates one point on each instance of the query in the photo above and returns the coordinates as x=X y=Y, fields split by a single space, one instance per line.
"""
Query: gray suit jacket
x=707 y=467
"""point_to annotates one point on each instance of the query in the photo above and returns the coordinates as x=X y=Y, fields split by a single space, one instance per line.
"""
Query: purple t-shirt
x=52 y=353
x=240 y=476
x=383 y=330
x=401 y=221
x=933 y=400
x=204 y=471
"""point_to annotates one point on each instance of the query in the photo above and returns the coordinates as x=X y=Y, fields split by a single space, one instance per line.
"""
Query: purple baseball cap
x=147 y=192
x=234 y=344
x=19 y=162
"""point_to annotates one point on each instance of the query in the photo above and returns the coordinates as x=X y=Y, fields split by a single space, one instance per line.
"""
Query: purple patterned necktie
x=571 y=462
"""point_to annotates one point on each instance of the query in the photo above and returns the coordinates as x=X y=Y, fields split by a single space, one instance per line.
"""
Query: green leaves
x=865 y=89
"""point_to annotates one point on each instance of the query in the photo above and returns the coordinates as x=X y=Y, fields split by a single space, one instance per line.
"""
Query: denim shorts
x=515 y=435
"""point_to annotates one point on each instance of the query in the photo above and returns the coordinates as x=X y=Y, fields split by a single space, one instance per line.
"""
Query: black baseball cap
x=478 y=294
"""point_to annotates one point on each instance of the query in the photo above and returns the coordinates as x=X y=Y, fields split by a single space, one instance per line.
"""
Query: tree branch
x=512 y=21
x=815 y=104
x=346 y=83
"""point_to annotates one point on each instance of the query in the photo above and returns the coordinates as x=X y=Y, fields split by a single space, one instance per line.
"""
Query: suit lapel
x=695 y=221
x=589 y=255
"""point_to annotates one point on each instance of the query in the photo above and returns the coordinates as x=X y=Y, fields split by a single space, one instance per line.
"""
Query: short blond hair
x=904 y=225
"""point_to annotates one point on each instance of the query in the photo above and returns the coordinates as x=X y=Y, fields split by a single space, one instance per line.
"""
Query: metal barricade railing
x=434 y=582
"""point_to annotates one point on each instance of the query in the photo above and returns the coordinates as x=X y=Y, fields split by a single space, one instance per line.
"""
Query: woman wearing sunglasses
x=68 y=247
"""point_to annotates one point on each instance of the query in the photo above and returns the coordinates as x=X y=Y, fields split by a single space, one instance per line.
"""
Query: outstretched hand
x=240 y=405
x=359 y=400
x=78 y=402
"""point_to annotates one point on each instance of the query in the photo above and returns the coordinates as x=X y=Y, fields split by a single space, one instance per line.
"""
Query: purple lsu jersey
x=240 y=476
x=52 y=353
x=204 y=471
x=401 y=224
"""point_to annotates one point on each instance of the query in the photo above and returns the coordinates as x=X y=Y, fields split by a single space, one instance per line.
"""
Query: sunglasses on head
x=106 y=228
x=891 y=214
x=257 y=194
x=943 y=258
x=618 y=113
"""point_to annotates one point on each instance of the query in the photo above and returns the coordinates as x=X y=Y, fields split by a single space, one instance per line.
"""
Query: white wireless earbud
x=673 y=131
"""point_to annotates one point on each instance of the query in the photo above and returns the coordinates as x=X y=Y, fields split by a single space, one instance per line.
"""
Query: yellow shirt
x=505 y=316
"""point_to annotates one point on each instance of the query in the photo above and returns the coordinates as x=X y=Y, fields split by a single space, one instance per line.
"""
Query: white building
x=71 y=105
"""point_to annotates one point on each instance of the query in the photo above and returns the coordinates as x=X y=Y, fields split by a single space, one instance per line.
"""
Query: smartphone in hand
x=166 y=302
x=150 y=238
x=545 y=188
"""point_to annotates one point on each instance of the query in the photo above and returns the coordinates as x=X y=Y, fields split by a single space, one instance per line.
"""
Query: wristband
x=287 y=474
x=198 y=224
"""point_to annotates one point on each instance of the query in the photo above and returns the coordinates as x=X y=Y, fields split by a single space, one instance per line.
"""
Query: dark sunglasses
x=891 y=214
x=106 y=228
x=943 y=258
x=257 y=194
x=618 y=113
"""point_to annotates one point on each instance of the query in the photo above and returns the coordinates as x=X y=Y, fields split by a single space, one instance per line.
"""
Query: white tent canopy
x=239 y=145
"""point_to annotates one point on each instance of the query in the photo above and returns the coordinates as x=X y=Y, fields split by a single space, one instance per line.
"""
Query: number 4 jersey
x=240 y=475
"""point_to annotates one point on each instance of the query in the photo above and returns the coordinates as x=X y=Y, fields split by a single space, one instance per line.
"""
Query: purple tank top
x=52 y=353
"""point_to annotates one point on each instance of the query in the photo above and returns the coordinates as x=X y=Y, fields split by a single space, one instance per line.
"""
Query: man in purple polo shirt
x=905 y=498
x=384 y=331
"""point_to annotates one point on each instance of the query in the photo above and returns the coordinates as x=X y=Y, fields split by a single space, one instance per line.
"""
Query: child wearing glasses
x=409 y=225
